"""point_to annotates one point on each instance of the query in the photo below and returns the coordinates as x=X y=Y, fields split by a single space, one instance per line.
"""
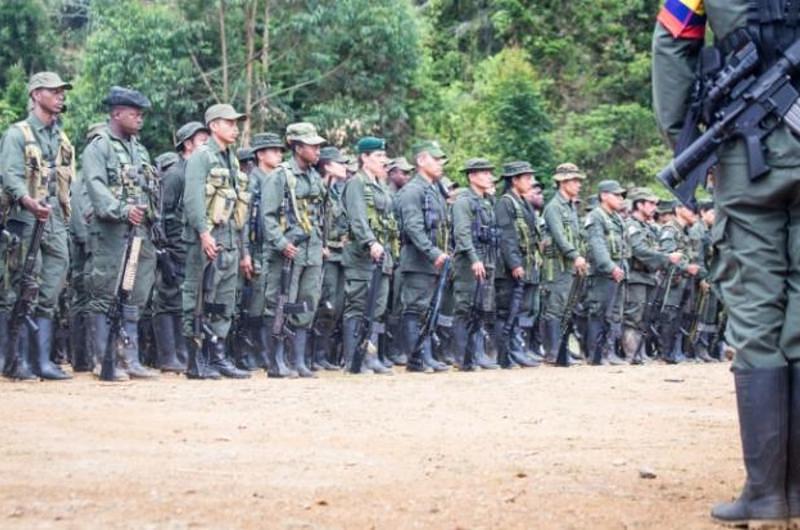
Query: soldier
x=646 y=261
x=534 y=342
x=563 y=256
x=425 y=232
x=704 y=335
x=608 y=255
x=476 y=239
x=121 y=185
x=756 y=255
x=6 y=241
x=216 y=201
x=37 y=162
x=291 y=204
x=268 y=149
x=332 y=167
x=167 y=306
x=517 y=273
x=400 y=172
x=372 y=242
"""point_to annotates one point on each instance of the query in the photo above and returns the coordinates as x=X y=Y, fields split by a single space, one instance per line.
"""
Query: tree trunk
x=250 y=38
x=224 y=48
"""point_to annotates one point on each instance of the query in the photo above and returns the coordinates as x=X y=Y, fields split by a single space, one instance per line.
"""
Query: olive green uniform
x=704 y=332
x=167 y=297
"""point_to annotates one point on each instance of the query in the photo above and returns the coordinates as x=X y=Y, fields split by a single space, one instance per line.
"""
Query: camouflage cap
x=610 y=186
x=400 y=163
x=165 y=160
x=266 y=140
x=188 y=130
x=368 y=144
x=516 y=168
x=477 y=164
x=332 y=154
x=642 y=194
x=223 y=111
x=568 y=171
x=428 y=146
x=46 y=80
x=304 y=133
x=666 y=206
x=126 y=97
x=245 y=154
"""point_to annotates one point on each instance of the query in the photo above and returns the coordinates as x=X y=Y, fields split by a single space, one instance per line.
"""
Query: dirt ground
x=534 y=449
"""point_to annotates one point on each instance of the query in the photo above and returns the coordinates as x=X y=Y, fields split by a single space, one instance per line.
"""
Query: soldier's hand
x=618 y=274
x=246 y=266
x=209 y=245
x=479 y=270
x=290 y=251
x=518 y=273
x=39 y=211
x=439 y=263
x=675 y=258
x=705 y=286
x=693 y=269
x=376 y=251
x=581 y=267
x=326 y=253
x=136 y=215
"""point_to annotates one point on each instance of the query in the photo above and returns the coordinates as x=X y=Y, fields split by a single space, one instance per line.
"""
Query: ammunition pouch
x=221 y=198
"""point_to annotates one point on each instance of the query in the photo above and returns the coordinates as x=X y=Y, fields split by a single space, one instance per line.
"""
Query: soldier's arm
x=555 y=227
x=414 y=225
x=462 y=229
x=105 y=204
x=12 y=164
x=355 y=205
x=651 y=257
x=668 y=243
x=674 y=64
x=271 y=201
x=597 y=242
x=505 y=215
x=194 y=192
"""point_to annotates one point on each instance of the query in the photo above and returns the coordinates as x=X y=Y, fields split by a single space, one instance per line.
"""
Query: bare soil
x=530 y=449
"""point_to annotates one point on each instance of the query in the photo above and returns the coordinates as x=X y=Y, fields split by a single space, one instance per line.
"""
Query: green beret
x=368 y=144
x=477 y=164
x=266 y=141
x=428 y=146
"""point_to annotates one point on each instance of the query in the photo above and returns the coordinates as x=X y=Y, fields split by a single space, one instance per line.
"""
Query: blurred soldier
x=425 y=232
x=37 y=162
x=608 y=253
x=167 y=306
x=400 y=172
x=122 y=185
x=564 y=256
x=216 y=202
x=291 y=203
x=704 y=336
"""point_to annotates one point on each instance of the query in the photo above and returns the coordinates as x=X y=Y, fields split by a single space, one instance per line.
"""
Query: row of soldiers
x=291 y=257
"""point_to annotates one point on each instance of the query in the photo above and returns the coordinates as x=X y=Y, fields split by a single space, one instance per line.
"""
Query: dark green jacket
x=516 y=223
x=646 y=259
x=370 y=218
x=607 y=242
x=424 y=225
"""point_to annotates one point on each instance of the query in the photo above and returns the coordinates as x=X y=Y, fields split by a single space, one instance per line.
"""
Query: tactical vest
x=48 y=177
x=527 y=244
x=650 y=238
x=554 y=260
x=436 y=222
x=132 y=180
x=380 y=218
x=618 y=248
x=485 y=236
x=227 y=195
x=301 y=211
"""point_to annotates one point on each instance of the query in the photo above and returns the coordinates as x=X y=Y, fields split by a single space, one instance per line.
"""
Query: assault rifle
x=474 y=321
x=568 y=318
x=507 y=331
x=431 y=321
x=368 y=325
x=200 y=328
x=755 y=107
x=283 y=308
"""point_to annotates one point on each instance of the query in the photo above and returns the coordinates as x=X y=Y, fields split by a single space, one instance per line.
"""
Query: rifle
x=200 y=327
x=474 y=321
x=432 y=314
x=756 y=107
x=568 y=318
x=279 y=328
x=514 y=309
x=29 y=291
x=368 y=324
x=126 y=278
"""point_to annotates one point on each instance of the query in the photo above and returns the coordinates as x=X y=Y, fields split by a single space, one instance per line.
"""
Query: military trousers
x=555 y=294
x=757 y=263
x=356 y=292
x=221 y=291
x=601 y=293
x=417 y=292
x=305 y=286
x=167 y=291
x=256 y=300
x=79 y=269
x=504 y=292
x=464 y=293
x=636 y=298
x=333 y=291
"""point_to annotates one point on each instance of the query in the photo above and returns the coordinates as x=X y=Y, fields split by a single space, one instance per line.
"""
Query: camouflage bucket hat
x=477 y=164
x=568 y=171
x=187 y=131
x=266 y=141
x=304 y=133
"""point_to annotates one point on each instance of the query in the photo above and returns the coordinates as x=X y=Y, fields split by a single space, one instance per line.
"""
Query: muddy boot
x=165 y=344
x=42 y=342
x=98 y=340
x=81 y=360
x=411 y=329
x=762 y=398
x=220 y=362
x=632 y=346
x=17 y=359
x=299 y=343
x=793 y=463
x=130 y=348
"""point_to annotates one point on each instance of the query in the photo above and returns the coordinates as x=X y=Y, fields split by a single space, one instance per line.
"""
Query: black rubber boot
x=276 y=349
x=42 y=342
x=501 y=341
x=79 y=347
x=762 y=399
x=371 y=359
x=98 y=340
x=793 y=458
x=130 y=350
x=411 y=328
x=256 y=328
x=197 y=363
x=164 y=330
x=147 y=352
x=463 y=354
x=349 y=338
x=220 y=362
x=552 y=338
x=299 y=343
x=594 y=344
x=322 y=350
x=18 y=367
x=519 y=350
x=3 y=339
x=181 y=353
x=478 y=344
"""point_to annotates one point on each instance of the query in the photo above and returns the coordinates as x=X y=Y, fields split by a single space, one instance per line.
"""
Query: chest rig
x=379 y=215
x=302 y=211
x=227 y=195
x=485 y=235
x=525 y=233
x=45 y=177
x=435 y=217
x=131 y=179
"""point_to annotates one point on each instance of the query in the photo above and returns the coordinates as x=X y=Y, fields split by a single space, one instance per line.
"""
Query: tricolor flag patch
x=684 y=19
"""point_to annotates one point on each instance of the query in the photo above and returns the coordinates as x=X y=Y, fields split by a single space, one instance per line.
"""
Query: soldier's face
x=648 y=209
x=522 y=184
x=375 y=162
x=430 y=166
x=483 y=180
x=614 y=201
x=226 y=131
x=337 y=170
x=572 y=187
x=51 y=100
x=399 y=178
x=189 y=146
x=270 y=157
x=307 y=153
x=709 y=217
x=535 y=197
x=130 y=119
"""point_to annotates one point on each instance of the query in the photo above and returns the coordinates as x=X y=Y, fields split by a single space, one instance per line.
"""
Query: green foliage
x=26 y=37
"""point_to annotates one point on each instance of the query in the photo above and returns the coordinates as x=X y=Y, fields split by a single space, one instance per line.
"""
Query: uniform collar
x=38 y=125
